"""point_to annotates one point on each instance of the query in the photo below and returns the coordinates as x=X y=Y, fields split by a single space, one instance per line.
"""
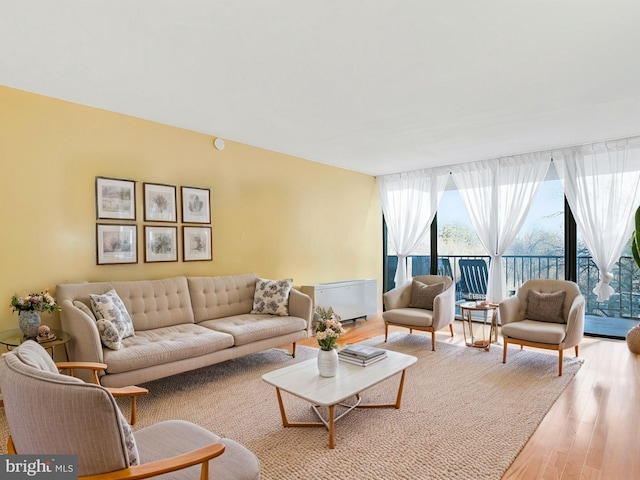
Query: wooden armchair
x=544 y=314
x=404 y=310
x=132 y=391
x=56 y=414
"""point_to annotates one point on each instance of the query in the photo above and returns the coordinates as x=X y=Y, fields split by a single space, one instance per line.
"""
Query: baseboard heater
x=351 y=299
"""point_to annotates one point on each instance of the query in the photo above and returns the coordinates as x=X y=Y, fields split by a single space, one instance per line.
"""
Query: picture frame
x=196 y=205
x=196 y=244
x=116 y=244
x=160 y=244
x=159 y=202
x=115 y=198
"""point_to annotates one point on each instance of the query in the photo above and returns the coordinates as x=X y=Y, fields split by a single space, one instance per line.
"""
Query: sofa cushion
x=164 y=345
x=545 y=307
x=156 y=303
x=114 y=322
x=423 y=295
x=109 y=306
x=84 y=308
x=109 y=334
x=224 y=296
x=272 y=296
x=249 y=328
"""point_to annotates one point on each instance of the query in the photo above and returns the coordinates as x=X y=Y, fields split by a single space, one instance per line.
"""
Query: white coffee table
x=302 y=380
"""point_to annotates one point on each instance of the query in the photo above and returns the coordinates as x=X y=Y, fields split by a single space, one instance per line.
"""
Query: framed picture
x=160 y=244
x=116 y=243
x=159 y=203
x=115 y=198
x=195 y=205
x=196 y=244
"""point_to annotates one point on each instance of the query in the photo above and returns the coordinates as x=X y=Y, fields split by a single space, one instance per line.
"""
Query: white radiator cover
x=350 y=299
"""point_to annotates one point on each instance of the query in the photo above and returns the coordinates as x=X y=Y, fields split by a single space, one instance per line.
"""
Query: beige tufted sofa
x=181 y=323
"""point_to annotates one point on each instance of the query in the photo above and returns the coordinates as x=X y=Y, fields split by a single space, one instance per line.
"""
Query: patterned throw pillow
x=545 y=307
x=109 y=334
x=423 y=295
x=113 y=320
x=130 y=442
x=272 y=296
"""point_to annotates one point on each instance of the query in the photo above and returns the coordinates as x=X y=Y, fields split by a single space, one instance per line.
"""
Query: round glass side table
x=13 y=338
x=476 y=335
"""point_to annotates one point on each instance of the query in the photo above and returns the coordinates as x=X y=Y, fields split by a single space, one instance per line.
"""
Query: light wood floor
x=593 y=429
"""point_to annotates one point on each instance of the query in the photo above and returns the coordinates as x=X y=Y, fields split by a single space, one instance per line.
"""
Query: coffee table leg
x=285 y=422
x=331 y=423
x=400 y=388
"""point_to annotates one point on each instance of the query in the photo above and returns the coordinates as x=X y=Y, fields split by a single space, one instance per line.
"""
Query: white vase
x=327 y=363
x=29 y=321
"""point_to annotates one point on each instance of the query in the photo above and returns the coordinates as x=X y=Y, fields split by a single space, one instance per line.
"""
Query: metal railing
x=624 y=303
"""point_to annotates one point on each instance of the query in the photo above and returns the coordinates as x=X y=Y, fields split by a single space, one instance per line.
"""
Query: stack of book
x=362 y=355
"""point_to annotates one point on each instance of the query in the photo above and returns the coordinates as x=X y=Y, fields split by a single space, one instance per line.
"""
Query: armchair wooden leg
x=386 y=332
x=132 y=392
x=577 y=346
x=293 y=350
x=451 y=329
x=504 y=351
x=433 y=341
x=560 y=355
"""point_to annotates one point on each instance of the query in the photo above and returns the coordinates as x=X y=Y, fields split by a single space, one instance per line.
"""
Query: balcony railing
x=625 y=303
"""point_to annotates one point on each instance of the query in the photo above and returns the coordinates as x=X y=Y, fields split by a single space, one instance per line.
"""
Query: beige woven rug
x=464 y=414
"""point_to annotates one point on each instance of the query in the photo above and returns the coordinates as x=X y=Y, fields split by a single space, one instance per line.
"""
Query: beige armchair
x=53 y=414
x=541 y=316
x=404 y=307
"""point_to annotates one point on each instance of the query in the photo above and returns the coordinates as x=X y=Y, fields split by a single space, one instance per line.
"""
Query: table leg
x=387 y=405
x=285 y=422
x=331 y=424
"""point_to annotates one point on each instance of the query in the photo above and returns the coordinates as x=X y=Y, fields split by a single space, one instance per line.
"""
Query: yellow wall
x=272 y=214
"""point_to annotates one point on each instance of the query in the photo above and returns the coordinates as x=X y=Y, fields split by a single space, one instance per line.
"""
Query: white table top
x=302 y=379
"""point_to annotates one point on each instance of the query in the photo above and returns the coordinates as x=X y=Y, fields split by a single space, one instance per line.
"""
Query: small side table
x=13 y=338
x=481 y=340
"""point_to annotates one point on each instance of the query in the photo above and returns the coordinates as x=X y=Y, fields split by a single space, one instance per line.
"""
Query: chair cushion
x=534 y=331
x=545 y=307
x=173 y=437
x=272 y=296
x=409 y=316
x=114 y=322
x=423 y=295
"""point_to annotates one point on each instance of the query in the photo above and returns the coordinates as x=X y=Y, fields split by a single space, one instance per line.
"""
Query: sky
x=546 y=211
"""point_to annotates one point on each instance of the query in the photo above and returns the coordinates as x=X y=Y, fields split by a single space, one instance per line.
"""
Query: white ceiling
x=369 y=85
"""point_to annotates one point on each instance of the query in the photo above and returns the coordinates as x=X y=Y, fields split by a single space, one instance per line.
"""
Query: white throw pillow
x=109 y=309
x=272 y=296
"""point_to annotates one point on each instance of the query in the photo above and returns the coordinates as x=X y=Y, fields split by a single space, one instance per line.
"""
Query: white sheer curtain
x=498 y=194
x=601 y=182
x=409 y=201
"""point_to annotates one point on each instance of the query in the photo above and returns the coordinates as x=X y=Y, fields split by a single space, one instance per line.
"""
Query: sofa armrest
x=398 y=297
x=85 y=344
x=301 y=305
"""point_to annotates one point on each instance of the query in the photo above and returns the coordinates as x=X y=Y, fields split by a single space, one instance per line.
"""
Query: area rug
x=464 y=414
